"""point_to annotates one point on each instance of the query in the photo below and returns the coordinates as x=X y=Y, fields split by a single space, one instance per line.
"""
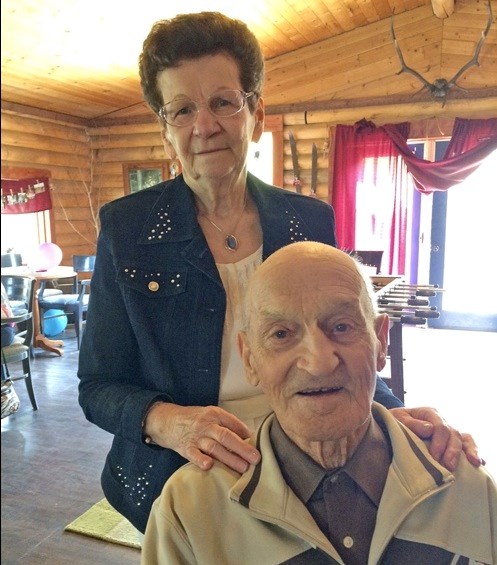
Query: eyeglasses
x=223 y=104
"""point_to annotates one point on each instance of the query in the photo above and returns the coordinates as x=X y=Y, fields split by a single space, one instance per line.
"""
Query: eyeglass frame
x=245 y=97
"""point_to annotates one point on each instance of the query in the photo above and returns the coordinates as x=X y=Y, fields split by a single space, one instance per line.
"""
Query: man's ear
x=259 y=115
x=247 y=360
x=168 y=146
x=382 y=327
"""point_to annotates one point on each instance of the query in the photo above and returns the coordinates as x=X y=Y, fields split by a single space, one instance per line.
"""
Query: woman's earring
x=174 y=168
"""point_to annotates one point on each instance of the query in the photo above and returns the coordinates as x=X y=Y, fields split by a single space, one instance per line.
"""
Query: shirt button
x=348 y=542
x=153 y=286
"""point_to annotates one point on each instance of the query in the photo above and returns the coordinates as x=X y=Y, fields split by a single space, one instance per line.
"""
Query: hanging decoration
x=314 y=171
x=295 y=162
x=24 y=196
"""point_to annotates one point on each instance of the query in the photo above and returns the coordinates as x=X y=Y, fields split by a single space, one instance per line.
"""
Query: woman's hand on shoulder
x=446 y=443
x=202 y=435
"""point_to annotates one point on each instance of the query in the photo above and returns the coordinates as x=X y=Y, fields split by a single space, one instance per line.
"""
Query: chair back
x=11 y=260
x=82 y=264
x=370 y=258
x=74 y=303
x=20 y=292
x=20 y=288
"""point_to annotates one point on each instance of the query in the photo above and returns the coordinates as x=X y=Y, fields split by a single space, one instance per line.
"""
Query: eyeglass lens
x=223 y=104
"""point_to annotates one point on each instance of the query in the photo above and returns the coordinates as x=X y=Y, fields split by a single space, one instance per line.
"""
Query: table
x=40 y=340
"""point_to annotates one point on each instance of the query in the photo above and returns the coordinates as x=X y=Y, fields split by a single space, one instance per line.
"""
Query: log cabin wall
x=343 y=80
x=85 y=166
x=64 y=150
x=355 y=75
x=61 y=150
x=118 y=145
x=320 y=132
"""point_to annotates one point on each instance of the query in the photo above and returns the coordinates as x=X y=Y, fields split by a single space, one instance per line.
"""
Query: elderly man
x=340 y=480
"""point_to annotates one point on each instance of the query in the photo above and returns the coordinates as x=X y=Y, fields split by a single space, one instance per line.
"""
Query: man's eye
x=341 y=328
x=280 y=334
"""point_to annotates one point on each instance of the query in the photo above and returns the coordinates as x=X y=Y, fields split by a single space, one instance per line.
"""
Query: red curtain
x=358 y=145
x=471 y=142
x=25 y=195
x=469 y=134
x=366 y=160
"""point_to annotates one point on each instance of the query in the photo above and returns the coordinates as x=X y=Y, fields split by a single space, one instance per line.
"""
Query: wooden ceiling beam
x=480 y=102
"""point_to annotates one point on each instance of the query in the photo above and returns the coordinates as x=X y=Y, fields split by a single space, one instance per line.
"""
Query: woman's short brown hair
x=191 y=36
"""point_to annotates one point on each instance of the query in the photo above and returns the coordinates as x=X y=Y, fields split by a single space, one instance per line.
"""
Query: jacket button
x=153 y=286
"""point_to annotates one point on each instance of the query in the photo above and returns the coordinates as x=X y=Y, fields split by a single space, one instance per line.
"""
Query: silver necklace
x=230 y=240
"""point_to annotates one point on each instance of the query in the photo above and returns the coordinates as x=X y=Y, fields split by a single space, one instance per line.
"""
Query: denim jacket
x=155 y=321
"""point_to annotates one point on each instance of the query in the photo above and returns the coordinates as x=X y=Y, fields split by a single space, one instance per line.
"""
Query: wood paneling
x=63 y=151
x=349 y=75
x=364 y=62
x=316 y=50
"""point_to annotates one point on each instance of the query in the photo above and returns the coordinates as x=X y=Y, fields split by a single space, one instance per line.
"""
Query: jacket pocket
x=153 y=283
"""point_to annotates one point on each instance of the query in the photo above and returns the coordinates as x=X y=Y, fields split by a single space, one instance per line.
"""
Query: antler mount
x=440 y=87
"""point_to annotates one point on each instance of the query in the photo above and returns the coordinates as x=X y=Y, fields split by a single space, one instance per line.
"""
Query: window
x=462 y=249
x=260 y=158
x=138 y=176
x=22 y=233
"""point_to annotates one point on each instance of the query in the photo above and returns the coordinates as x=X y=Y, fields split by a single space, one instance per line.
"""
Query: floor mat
x=101 y=521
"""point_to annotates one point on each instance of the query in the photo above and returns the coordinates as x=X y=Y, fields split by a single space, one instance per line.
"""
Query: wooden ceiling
x=78 y=58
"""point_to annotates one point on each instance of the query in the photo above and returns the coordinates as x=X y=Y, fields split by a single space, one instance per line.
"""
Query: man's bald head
x=293 y=262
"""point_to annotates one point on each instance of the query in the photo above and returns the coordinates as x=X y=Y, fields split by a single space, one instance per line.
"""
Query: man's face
x=312 y=346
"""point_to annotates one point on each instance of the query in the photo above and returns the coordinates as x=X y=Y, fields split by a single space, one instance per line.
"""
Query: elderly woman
x=158 y=365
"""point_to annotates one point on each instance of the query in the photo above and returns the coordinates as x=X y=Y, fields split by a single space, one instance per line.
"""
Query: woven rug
x=101 y=521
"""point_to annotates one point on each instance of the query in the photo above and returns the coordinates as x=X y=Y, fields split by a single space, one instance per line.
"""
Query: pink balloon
x=49 y=255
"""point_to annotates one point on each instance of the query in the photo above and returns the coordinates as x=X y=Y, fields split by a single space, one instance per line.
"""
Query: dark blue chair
x=73 y=304
x=20 y=292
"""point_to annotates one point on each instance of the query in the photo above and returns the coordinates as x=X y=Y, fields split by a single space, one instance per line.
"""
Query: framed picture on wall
x=138 y=176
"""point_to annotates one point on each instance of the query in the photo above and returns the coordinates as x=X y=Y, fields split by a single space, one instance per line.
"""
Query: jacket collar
x=413 y=476
x=281 y=222
x=173 y=217
x=418 y=471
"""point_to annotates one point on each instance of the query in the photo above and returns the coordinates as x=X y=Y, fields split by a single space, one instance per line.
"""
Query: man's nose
x=318 y=354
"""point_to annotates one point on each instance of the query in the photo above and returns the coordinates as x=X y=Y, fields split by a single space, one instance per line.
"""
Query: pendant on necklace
x=230 y=242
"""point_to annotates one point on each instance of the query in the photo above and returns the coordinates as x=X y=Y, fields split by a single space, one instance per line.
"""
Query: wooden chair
x=75 y=302
x=20 y=291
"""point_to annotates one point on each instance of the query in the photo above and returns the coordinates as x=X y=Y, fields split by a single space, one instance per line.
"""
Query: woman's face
x=212 y=148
